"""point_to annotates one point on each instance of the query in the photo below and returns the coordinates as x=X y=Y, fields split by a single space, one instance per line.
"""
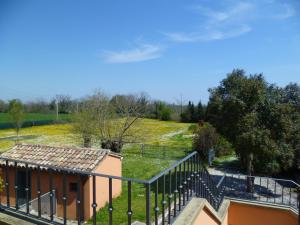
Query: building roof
x=74 y=158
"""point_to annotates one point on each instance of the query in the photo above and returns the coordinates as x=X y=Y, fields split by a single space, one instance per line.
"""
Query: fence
x=262 y=189
x=157 y=151
x=161 y=198
x=168 y=192
x=42 y=205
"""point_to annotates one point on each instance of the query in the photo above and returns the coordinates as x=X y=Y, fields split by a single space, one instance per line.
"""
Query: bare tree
x=127 y=110
x=109 y=120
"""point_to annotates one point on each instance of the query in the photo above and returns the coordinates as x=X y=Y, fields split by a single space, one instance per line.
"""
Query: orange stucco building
x=73 y=160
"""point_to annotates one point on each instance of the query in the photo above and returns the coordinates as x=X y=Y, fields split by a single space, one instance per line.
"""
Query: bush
x=205 y=138
x=165 y=114
x=223 y=147
x=192 y=128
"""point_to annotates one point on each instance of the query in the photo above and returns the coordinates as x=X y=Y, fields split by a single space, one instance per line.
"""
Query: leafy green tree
x=262 y=121
x=3 y=106
x=236 y=96
x=200 y=111
x=16 y=112
x=162 y=111
x=192 y=114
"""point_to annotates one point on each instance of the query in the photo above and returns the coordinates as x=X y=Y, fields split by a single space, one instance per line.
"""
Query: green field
x=5 y=118
x=135 y=164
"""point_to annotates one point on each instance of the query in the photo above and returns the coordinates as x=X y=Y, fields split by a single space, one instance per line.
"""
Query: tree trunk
x=115 y=146
x=250 y=180
x=87 y=141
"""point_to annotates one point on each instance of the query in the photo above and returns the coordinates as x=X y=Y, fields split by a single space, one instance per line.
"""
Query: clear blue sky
x=166 y=48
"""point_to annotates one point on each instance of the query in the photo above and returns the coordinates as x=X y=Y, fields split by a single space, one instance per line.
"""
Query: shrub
x=205 y=138
x=223 y=147
x=192 y=128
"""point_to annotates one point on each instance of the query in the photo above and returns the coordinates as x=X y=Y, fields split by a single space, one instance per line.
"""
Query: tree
x=85 y=120
x=109 y=121
x=205 y=138
x=64 y=103
x=16 y=112
x=261 y=120
x=236 y=96
x=190 y=114
x=200 y=112
x=3 y=106
x=39 y=106
x=125 y=112
x=162 y=111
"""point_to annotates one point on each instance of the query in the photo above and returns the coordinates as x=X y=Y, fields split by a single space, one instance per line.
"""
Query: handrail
x=170 y=168
x=221 y=181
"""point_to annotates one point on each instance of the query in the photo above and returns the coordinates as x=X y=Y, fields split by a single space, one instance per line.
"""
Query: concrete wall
x=110 y=165
x=205 y=217
x=199 y=212
x=250 y=214
x=239 y=213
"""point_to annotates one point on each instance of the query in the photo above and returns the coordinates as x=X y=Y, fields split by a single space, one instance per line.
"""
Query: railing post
x=38 y=187
x=156 y=203
x=298 y=205
x=16 y=185
x=148 y=204
x=64 y=197
x=27 y=189
x=129 y=210
x=169 y=197
x=51 y=193
x=79 y=203
x=110 y=204
x=7 y=184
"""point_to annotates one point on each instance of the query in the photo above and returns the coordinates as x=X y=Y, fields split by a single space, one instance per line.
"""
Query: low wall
x=241 y=213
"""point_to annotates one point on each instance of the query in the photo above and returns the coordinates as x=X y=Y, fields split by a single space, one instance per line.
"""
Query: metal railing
x=178 y=184
x=11 y=167
x=157 y=151
x=262 y=189
x=166 y=194
x=42 y=204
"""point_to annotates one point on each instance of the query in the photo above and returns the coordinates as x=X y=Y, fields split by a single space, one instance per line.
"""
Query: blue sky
x=166 y=48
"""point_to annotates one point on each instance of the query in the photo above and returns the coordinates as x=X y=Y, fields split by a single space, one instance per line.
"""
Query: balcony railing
x=165 y=194
x=262 y=189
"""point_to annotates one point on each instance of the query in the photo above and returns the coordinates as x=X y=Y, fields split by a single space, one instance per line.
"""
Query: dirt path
x=172 y=134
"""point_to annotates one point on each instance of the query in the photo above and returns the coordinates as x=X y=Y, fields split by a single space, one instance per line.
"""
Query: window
x=73 y=187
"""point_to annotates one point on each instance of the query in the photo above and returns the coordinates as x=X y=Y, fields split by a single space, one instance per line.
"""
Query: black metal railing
x=11 y=167
x=179 y=183
x=166 y=194
x=261 y=189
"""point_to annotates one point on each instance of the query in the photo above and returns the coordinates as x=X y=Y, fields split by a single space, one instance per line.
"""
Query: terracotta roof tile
x=84 y=159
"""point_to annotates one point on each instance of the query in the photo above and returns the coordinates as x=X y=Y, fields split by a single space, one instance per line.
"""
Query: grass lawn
x=134 y=164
